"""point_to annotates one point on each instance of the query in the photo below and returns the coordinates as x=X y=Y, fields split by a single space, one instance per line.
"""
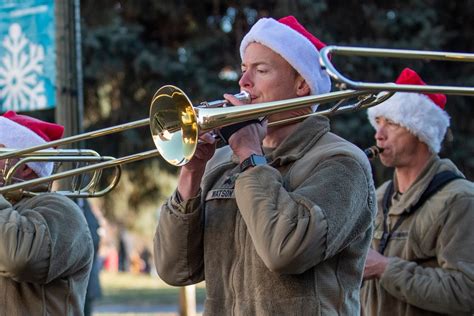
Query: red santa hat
x=421 y=113
x=295 y=44
x=21 y=131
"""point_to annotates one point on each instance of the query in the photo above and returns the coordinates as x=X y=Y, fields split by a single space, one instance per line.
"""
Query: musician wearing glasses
x=279 y=221
x=422 y=261
x=45 y=244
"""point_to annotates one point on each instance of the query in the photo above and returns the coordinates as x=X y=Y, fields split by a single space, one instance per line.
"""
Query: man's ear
x=302 y=87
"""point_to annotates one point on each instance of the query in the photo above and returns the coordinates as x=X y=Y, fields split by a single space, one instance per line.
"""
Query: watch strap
x=252 y=161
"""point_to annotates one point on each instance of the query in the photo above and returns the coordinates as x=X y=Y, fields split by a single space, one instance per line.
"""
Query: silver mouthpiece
x=242 y=96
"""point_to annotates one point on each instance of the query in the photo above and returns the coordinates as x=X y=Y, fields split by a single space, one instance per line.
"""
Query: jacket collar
x=414 y=192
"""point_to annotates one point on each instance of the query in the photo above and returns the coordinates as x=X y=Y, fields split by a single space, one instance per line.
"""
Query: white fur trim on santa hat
x=417 y=113
x=16 y=136
x=296 y=49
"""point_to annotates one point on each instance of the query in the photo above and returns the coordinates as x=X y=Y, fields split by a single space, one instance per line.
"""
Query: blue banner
x=27 y=55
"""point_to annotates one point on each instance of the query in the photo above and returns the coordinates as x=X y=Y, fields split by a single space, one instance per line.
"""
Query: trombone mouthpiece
x=241 y=96
x=373 y=151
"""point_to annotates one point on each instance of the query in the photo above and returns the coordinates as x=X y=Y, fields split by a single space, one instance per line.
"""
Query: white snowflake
x=20 y=67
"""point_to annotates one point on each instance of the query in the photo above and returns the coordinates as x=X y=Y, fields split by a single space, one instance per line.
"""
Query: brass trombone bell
x=174 y=122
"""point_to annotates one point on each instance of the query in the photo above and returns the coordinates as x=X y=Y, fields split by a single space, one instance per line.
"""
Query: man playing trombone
x=278 y=222
x=45 y=244
x=422 y=262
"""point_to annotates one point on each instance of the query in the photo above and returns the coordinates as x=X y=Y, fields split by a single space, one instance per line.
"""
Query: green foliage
x=131 y=48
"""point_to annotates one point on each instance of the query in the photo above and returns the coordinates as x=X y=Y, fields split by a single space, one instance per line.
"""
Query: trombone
x=175 y=123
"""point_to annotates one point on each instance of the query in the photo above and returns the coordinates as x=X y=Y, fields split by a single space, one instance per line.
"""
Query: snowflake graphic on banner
x=20 y=68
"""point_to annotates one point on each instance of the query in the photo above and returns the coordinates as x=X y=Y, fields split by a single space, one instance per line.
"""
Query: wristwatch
x=252 y=161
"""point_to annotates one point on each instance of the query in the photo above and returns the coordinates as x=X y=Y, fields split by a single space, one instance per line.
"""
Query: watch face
x=259 y=160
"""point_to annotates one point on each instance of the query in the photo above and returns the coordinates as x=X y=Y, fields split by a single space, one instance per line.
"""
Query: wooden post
x=187 y=300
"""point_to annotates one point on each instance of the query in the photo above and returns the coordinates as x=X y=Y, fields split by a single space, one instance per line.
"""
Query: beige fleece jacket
x=431 y=269
x=287 y=238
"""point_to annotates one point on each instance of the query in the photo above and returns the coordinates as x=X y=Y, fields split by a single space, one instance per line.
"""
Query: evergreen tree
x=131 y=48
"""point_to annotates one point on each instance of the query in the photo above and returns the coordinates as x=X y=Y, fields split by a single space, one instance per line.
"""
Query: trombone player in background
x=422 y=261
x=279 y=222
x=45 y=244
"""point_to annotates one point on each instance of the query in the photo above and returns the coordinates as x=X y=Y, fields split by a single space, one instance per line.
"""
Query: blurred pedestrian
x=145 y=255
x=123 y=253
x=94 y=290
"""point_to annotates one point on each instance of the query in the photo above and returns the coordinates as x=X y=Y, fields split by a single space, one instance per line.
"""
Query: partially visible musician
x=45 y=243
x=279 y=222
x=422 y=261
